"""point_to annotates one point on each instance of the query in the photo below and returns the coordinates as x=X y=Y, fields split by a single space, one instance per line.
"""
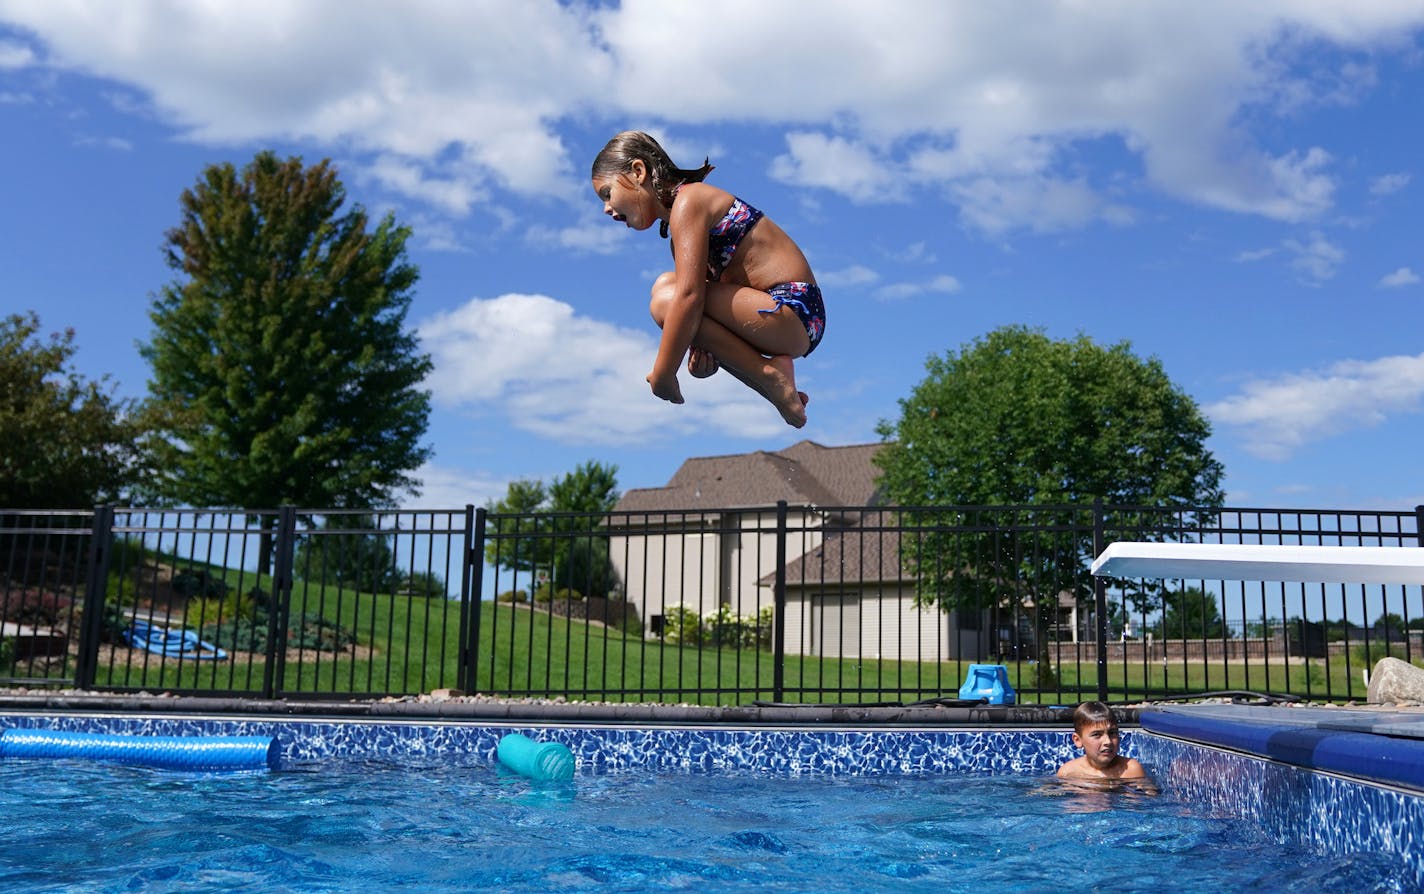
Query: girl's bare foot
x=701 y=364
x=780 y=389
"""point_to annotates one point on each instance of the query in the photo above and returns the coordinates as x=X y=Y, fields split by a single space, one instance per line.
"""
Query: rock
x=1394 y=681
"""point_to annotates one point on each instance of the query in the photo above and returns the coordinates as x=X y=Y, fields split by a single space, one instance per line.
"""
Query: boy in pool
x=741 y=297
x=1095 y=731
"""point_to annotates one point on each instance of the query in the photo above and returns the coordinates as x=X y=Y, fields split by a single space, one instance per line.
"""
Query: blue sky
x=1231 y=187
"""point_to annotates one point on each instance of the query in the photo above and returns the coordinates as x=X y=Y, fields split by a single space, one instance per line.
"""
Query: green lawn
x=411 y=645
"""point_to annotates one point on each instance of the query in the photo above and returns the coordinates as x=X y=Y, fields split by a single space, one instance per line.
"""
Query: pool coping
x=1371 y=746
x=481 y=709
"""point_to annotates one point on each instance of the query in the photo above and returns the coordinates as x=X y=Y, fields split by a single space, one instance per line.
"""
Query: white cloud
x=943 y=284
x=472 y=84
x=838 y=164
x=1401 y=277
x=917 y=253
x=1315 y=259
x=593 y=237
x=1040 y=204
x=1389 y=184
x=848 y=277
x=1282 y=414
x=988 y=103
x=1253 y=255
x=574 y=379
x=445 y=488
x=15 y=55
x=116 y=143
x=407 y=177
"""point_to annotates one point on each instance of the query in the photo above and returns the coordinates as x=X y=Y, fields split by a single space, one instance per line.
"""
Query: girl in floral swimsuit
x=741 y=297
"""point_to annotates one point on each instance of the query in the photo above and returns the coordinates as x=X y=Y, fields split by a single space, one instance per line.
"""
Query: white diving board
x=1230 y=561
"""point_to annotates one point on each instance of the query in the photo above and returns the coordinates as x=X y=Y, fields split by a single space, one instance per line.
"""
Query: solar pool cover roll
x=202 y=754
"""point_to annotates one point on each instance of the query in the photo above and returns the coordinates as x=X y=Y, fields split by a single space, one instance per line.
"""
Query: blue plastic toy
x=170 y=642
x=544 y=761
x=201 y=754
x=988 y=681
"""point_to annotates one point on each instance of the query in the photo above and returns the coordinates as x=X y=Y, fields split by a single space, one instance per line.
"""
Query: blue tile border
x=614 y=749
x=1321 y=812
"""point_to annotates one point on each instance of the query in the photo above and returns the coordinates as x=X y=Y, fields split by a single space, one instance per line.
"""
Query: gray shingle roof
x=848 y=557
x=804 y=473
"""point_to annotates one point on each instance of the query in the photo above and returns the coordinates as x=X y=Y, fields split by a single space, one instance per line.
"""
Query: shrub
x=198 y=582
x=237 y=634
x=320 y=634
x=1368 y=655
x=214 y=611
x=682 y=625
x=113 y=624
x=38 y=608
x=249 y=633
x=719 y=628
x=512 y=596
x=1045 y=676
x=765 y=627
x=546 y=592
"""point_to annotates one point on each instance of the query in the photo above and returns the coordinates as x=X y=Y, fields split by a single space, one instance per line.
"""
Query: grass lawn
x=406 y=645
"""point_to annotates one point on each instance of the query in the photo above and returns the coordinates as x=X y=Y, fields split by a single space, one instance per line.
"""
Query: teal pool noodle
x=544 y=761
x=200 y=754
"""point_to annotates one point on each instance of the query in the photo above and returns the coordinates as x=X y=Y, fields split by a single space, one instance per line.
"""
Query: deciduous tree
x=1043 y=428
x=556 y=531
x=282 y=368
x=65 y=442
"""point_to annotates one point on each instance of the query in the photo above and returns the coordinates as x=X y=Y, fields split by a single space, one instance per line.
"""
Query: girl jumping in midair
x=741 y=297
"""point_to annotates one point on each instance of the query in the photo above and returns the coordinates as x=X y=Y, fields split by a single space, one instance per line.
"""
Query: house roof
x=848 y=556
x=804 y=473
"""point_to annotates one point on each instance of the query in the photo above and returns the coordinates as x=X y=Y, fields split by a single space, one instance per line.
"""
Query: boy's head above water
x=1095 y=732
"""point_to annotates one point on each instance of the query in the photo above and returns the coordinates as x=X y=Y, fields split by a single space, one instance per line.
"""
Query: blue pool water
x=435 y=826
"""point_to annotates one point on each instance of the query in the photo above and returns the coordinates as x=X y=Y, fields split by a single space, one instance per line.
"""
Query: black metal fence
x=713 y=606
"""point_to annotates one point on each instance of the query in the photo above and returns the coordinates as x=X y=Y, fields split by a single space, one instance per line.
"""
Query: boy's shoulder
x=1074 y=767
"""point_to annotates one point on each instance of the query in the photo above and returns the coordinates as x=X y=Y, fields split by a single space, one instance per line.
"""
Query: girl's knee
x=661 y=295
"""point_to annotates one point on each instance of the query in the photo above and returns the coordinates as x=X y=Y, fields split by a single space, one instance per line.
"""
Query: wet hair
x=617 y=157
x=1091 y=714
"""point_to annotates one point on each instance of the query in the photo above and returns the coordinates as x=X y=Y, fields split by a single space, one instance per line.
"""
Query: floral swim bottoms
x=805 y=301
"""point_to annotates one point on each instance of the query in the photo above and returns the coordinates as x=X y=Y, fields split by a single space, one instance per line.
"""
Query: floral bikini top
x=726 y=235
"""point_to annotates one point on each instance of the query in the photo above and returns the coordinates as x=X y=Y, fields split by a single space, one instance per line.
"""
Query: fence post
x=86 y=666
x=778 y=623
x=279 y=617
x=1419 y=524
x=472 y=584
x=1100 y=601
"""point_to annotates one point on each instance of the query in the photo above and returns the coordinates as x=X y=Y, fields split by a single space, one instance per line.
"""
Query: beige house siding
x=848 y=602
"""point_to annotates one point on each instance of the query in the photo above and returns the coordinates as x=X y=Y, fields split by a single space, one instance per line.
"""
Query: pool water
x=357 y=826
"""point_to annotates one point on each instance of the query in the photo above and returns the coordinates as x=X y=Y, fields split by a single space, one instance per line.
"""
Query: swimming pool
x=368 y=804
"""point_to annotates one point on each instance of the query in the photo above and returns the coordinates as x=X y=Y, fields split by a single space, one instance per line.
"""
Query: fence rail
x=710 y=606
